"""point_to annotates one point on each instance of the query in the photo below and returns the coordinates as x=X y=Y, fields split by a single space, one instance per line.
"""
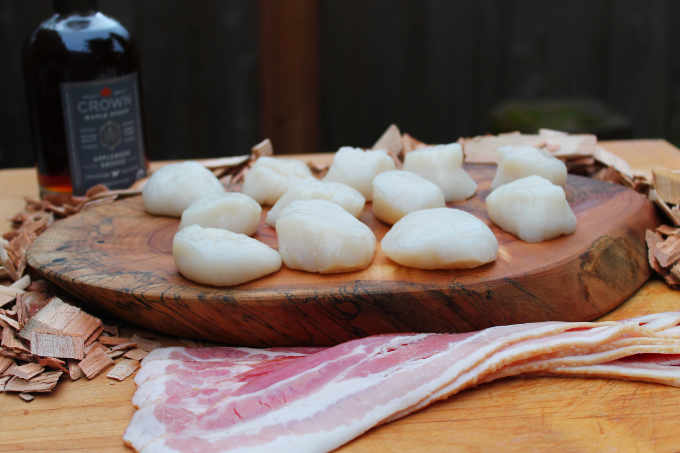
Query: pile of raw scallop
x=316 y=220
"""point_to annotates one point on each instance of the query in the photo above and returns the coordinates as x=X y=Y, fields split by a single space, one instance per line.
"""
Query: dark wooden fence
x=440 y=69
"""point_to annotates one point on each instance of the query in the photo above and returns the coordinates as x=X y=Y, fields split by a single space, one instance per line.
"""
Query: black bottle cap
x=71 y=6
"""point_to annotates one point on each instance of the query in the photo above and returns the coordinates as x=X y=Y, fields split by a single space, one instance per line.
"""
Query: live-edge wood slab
x=118 y=257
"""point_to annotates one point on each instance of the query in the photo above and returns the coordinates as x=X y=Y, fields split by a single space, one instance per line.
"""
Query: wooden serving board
x=119 y=258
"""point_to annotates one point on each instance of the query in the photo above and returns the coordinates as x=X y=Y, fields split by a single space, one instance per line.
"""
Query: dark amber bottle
x=81 y=70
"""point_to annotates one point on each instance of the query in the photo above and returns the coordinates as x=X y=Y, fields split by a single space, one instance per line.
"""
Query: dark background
x=314 y=75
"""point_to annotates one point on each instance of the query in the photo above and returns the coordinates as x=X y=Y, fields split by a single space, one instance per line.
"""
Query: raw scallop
x=312 y=189
x=320 y=236
x=532 y=208
x=231 y=211
x=270 y=177
x=440 y=238
x=398 y=192
x=517 y=162
x=172 y=188
x=357 y=168
x=219 y=257
x=442 y=165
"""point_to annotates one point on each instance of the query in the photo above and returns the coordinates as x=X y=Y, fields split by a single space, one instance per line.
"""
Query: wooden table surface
x=516 y=414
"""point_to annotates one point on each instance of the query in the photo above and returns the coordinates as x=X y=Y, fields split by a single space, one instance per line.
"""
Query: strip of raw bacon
x=393 y=376
x=188 y=371
x=627 y=369
x=351 y=373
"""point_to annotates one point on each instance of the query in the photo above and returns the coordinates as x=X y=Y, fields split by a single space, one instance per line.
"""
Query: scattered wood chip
x=667 y=230
x=94 y=363
x=136 y=354
x=44 y=382
x=123 y=369
x=29 y=303
x=653 y=239
x=113 y=341
x=667 y=252
x=115 y=354
x=673 y=217
x=26 y=371
x=264 y=148
x=94 y=336
x=5 y=363
x=3 y=382
x=225 y=162
x=60 y=330
x=10 y=291
x=409 y=143
x=23 y=283
x=11 y=342
x=74 y=370
x=110 y=330
x=51 y=362
x=9 y=321
x=26 y=397
x=124 y=346
x=391 y=141
x=667 y=184
x=94 y=347
x=145 y=343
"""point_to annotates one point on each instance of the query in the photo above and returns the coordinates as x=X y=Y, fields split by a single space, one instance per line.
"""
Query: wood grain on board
x=119 y=258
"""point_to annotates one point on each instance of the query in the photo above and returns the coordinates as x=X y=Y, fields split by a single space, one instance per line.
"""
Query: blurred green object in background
x=568 y=115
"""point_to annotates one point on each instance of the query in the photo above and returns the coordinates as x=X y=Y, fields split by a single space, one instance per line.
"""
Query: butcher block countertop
x=517 y=414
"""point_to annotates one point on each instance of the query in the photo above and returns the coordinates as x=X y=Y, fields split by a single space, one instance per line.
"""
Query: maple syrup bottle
x=81 y=71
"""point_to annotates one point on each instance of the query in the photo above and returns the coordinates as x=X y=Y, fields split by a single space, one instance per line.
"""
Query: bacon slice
x=228 y=399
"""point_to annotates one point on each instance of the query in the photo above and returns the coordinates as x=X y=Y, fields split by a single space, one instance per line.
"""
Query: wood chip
x=5 y=363
x=224 y=162
x=26 y=371
x=23 y=283
x=123 y=369
x=110 y=330
x=115 y=354
x=60 y=330
x=94 y=336
x=124 y=346
x=653 y=239
x=136 y=354
x=390 y=141
x=94 y=347
x=53 y=317
x=667 y=230
x=29 y=303
x=408 y=143
x=667 y=184
x=654 y=197
x=113 y=341
x=74 y=370
x=264 y=148
x=44 y=382
x=668 y=251
x=51 y=362
x=3 y=382
x=10 y=341
x=10 y=290
x=94 y=363
x=9 y=321
x=26 y=397
x=144 y=343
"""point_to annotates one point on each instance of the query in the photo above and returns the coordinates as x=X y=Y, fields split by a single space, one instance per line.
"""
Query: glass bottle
x=81 y=73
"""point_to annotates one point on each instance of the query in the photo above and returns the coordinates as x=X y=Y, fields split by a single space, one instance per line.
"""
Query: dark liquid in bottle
x=81 y=72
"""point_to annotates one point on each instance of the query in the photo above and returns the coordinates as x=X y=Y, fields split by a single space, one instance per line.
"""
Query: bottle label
x=103 y=132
